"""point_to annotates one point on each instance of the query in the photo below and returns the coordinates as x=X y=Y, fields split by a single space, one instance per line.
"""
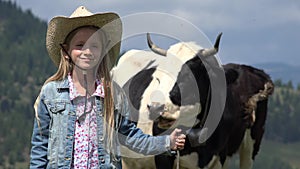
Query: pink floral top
x=85 y=152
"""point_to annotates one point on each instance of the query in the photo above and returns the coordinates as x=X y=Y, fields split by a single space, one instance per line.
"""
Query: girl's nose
x=86 y=51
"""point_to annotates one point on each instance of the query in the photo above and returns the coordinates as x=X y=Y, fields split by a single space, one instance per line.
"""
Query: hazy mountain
x=282 y=71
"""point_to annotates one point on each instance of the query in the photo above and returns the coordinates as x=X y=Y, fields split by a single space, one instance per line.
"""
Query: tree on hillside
x=24 y=65
x=284 y=113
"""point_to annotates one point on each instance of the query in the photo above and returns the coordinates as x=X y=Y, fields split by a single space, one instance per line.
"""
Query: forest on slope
x=24 y=66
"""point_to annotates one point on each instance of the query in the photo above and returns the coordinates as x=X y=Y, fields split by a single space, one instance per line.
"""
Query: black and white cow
x=185 y=89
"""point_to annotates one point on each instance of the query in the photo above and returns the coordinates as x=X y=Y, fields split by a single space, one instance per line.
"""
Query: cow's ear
x=231 y=76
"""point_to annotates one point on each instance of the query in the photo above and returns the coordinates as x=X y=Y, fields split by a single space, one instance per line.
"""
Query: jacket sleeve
x=40 y=135
x=134 y=138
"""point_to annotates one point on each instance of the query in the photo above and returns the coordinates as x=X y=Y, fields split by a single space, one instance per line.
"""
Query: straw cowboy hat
x=59 y=27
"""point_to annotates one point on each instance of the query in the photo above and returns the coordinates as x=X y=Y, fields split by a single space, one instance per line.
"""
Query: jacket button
x=69 y=137
x=102 y=160
x=72 y=113
x=67 y=158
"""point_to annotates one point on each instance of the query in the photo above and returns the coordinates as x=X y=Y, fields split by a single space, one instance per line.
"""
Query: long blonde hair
x=103 y=73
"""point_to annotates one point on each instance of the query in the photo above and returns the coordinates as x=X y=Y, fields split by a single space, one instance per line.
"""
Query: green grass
x=274 y=154
x=289 y=153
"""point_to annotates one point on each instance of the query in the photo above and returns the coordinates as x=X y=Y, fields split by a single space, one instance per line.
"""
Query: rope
x=177 y=162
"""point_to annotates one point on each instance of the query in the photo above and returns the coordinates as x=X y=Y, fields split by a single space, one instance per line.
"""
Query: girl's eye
x=79 y=45
x=90 y=46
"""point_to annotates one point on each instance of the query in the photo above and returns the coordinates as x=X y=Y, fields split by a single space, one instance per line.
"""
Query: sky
x=254 y=31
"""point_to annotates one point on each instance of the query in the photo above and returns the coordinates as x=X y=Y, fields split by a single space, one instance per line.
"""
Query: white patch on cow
x=131 y=63
x=188 y=161
x=191 y=162
x=226 y=163
x=184 y=50
x=214 y=163
x=188 y=115
x=154 y=87
x=138 y=163
x=246 y=150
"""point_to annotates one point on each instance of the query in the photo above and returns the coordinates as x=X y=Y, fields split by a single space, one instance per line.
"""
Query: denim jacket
x=54 y=128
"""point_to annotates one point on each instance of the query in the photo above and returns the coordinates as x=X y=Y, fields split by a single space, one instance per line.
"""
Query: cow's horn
x=155 y=48
x=212 y=51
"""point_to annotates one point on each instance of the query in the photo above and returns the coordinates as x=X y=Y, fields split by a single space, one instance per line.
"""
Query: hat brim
x=59 y=27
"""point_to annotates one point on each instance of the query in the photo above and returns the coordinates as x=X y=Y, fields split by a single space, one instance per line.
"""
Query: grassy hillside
x=289 y=153
x=274 y=155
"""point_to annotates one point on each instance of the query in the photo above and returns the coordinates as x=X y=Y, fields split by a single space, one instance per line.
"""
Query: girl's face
x=85 y=48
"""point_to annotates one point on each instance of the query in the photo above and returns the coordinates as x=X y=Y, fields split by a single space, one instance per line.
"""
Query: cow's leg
x=214 y=163
x=188 y=161
x=164 y=161
x=226 y=163
x=246 y=150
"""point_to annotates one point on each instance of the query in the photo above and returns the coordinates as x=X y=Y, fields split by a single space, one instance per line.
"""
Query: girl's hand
x=177 y=140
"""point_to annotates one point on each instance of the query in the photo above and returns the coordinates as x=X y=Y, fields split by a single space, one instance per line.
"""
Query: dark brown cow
x=251 y=89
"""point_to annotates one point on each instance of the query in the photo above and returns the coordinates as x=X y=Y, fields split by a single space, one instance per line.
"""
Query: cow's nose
x=155 y=109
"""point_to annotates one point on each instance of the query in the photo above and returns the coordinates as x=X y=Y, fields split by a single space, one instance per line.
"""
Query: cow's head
x=185 y=97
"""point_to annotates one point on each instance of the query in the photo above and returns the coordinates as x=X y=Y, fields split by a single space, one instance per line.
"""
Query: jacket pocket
x=57 y=107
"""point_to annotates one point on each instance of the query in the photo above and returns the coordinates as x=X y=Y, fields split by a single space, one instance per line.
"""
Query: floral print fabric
x=85 y=152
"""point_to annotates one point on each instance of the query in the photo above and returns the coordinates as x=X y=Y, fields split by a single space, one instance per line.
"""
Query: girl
x=81 y=115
